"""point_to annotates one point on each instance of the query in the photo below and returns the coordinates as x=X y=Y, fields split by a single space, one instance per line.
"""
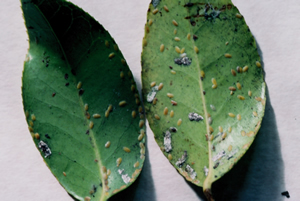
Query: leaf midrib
x=207 y=182
x=81 y=103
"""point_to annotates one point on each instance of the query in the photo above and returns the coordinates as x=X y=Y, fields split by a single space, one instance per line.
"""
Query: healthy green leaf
x=81 y=102
x=203 y=86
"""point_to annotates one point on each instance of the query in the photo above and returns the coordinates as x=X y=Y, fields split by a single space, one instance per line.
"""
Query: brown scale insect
x=258 y=64
x=241 y=97
x=175 y=23
x=227 y=55
x=96 y=116
x=170 y=95
x=177 y=39
x=150 y=22
x=126 y=149
x=231 y=114
x=122 y=74
x=238 y=15
x=233 y=72
x=133 y=114
x=160 y=86
x=107 y=144
x=122 y=103
x=155 y=11
x=239 y=69
x=166 y=111
x=33 y=118
x=111 y=55
x=162 y=47
x=172 y=113
x=188 y=36
x=166 y=8
x=119 y=161
x=179 y=122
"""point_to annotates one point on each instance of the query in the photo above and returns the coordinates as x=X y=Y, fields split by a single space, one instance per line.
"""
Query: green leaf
x=81 y=102
x=200 y=60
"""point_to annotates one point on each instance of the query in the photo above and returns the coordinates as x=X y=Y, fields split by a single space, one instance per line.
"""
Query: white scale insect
x=125 y=177
x=151 y=95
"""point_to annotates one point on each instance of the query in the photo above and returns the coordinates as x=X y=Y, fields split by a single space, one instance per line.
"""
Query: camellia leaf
x=81 y=102
x=203 y=86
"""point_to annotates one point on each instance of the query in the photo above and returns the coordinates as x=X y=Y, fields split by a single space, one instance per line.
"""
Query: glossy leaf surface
x=81 y=102
x=203 y=86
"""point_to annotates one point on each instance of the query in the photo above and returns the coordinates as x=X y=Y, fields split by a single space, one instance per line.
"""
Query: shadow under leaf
x=259 y=175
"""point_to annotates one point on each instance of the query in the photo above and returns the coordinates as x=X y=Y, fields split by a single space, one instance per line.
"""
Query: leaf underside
x=81 y=102
x=193 y=51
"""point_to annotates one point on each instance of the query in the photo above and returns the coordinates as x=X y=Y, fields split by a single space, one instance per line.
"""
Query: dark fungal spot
x=216 y=165
x=204 y=92
x=195 y=37
x=183 y=60
x=170 y=67
x=223 y=8
x=30 y=27
x=66 y=76
x=87 y=132
x=173 y=129
x=44 y=148
x=188 y=4
x=53 y=94
x=195 y=117
x=73 y=72
x=67 y=84
x=47 y=136
x=193 y=23
x=47 y=64
x=81 y=91
x=285 y=193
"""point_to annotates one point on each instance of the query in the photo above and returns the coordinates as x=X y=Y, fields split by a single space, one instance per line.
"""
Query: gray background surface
x=270 y=166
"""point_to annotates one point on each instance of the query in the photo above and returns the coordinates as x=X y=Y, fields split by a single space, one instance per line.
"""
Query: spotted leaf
x=212 y=101
x=81 y=103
